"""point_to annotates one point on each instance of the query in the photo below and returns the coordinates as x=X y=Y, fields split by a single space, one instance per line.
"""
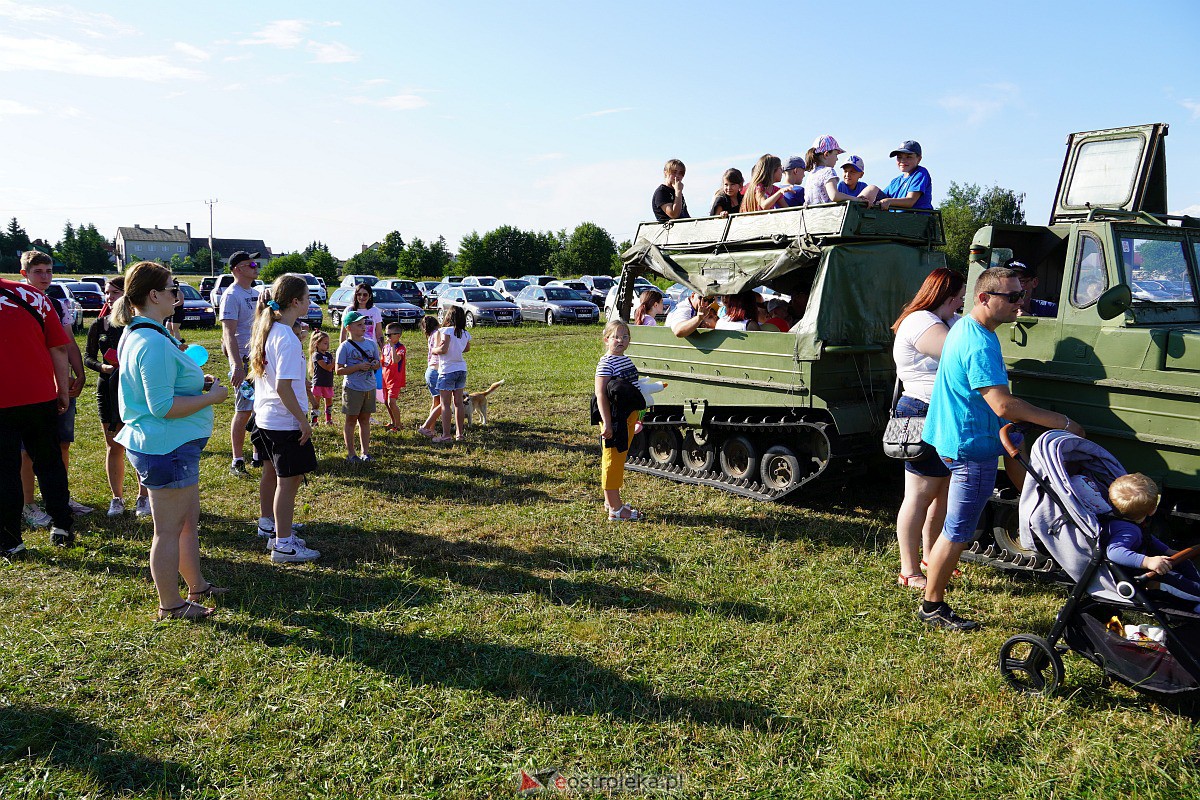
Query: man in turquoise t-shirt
x=969 y=403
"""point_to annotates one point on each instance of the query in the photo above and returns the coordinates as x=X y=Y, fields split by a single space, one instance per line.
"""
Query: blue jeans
x=174 y=470
x=971 y=485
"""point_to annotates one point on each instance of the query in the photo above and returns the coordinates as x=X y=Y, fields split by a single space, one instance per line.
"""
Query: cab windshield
x=1157 y=270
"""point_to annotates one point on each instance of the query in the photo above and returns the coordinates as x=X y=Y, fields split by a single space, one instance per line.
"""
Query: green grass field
x=474 y=614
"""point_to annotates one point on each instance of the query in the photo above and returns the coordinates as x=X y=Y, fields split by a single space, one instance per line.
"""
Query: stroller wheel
x=1031 y=665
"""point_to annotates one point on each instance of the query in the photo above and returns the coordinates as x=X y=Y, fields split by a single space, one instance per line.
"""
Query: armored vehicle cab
x=1120 y=352
x=761 y=414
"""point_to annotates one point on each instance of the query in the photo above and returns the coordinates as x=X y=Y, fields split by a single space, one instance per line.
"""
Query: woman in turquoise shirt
x=168 y=418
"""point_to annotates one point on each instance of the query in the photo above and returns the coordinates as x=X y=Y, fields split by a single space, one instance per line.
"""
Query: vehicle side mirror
x=1115 y=302
x=459 y=300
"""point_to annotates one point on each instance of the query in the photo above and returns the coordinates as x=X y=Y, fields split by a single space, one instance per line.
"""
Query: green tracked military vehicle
x=1120 y=353
x=761 y=414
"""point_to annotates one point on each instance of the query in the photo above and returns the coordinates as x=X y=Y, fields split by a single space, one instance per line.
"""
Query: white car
x=316 y=287
x=223 y=283
x=639 y=286
x=479 y=280
x=355 y=280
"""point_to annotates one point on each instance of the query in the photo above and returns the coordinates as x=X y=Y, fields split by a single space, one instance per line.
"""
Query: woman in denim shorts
x=166 y=405
x=451 y=343
x=920 y=332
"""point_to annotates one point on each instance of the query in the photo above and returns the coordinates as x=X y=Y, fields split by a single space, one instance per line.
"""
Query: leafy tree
x=589 y=250
x=200 y=259
x=392 y=246
x=440 y=258
x=615 y=268
x=180 y=263
x=967 y=208
x=512 y=252
x=293 y=262
x=322 y=264
x=92 y=250
x=313 y=248
x=18 y=238
x=369 y=262
x=471 y=259
x=412 y=262
x=66 y=250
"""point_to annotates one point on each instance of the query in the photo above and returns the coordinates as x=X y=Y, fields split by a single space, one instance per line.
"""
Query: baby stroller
x=1058 y=519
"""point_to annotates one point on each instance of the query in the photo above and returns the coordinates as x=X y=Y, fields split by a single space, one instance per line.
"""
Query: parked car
x=316 y=287
x=479 y=280
x=555 y=305
x=452 y=279
x=389 y=302
x=540 y=280
x=509 y=288
x=599 y=283
x=315 y=317
x=100 y=280
x=207 y=285
x=580 y=288
x=405 y=288
x=432 y=296
x=426 y=286
x=223 y=283
x=74 y=316
x=482 y=304
x=196 y=310
x=676 y=291
x=355 y=280
x=90 y=298
x=639 y=286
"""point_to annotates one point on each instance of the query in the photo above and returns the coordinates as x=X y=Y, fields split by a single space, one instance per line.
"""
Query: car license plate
x=192 y=318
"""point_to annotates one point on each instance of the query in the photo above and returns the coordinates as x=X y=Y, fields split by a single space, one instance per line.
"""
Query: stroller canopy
x=1067 y=528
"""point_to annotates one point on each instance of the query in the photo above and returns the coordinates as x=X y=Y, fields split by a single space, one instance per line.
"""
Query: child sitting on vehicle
x=1135 y=497
x=852 y=172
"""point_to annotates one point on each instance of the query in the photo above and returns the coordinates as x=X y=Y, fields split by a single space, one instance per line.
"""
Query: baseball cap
x=909 y=146
x=824 y=144
x=351 y=318
x=794 y=162
x=1019 y=266
x=854 y=161
x=240 y=256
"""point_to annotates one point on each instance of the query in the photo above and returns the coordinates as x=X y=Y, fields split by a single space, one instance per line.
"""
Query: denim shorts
x=931 y=466
x=452 y=381
x=971 y=485
x=240 y=402
x=431 y=380
x=174 y=470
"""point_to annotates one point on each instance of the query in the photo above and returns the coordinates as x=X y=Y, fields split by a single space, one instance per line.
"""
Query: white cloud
x=60 y=55
x=398 y=102
x=605 y=112
x=280 y=33
x=11 y=108
x=331 y=53
x=980 y=103
x=191 y=51
x=1193 y=106
x=545 y=157
x=1190 y=211
x=71 y=112
x=93 y=24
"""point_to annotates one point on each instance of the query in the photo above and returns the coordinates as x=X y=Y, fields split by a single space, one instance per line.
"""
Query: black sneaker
x=61 y=538
x=256 y=463
x=944 y=617
x=14 y=553
x=238 y=469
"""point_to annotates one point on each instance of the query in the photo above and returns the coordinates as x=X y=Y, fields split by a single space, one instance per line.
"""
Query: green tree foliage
x=967 y=208
x=293 y=262
x=511 y=252
x=322 y=264
x=411 y=262
x=616 y=259
x=370 y=262
x=392 y=246
x=440 y=258
x=82 y=249
x=65 y=250
x=180 y=263
x=18 y=238
x=314 y=247
x=202 y=263
x=471 y=259
x=589 y=250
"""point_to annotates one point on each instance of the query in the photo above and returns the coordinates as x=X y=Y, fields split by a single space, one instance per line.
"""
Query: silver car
x=483 y=305
x=555 y=305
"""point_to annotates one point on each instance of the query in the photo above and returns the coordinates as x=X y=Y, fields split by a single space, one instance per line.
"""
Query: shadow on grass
x=35 y=732
x=560 y=684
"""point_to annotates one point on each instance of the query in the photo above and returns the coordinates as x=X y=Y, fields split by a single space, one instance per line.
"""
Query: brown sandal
x=193 y=612
x=208 y=591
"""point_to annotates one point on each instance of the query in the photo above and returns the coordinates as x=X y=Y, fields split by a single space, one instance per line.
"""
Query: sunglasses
x=249 y=264
x=1011 y=297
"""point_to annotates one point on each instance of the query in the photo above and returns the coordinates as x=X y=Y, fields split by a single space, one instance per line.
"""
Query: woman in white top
x=920 y=332
x=742 y=313
x=820 y=184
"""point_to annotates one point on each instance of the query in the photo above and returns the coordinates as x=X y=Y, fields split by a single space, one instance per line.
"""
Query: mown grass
x=474 y=614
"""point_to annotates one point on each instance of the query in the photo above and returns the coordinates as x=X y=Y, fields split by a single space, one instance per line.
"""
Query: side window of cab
x=1090 y=274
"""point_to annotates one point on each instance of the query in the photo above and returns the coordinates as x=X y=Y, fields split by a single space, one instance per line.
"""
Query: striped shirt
x=616 y=367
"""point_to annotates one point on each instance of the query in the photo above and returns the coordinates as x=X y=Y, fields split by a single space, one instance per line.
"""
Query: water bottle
x=246 y=389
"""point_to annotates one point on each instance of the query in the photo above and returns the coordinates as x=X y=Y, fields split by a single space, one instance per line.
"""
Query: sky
x=343 y=121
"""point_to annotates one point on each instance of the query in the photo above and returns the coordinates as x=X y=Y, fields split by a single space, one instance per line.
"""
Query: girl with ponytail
x=283 y=432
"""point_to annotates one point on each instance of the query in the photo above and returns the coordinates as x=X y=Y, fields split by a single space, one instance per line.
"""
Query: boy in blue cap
x=793 y=175
x=912 y=188
x=852 y=172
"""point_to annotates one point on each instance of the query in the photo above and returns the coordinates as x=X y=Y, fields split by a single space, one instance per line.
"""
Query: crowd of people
x=806 y=180
x=155 y=405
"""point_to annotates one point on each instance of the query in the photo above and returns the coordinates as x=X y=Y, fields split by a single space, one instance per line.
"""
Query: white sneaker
x=265 y=532
x=35 y=517
x=79 y=508
x=142 y=509
x=116 y=507
x=294 y=554
x=271 y=542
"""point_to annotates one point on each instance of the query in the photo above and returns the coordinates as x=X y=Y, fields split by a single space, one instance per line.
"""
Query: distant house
x=227 y=247
x=151 y=244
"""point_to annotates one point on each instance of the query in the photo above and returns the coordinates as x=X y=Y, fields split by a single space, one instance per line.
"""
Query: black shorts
x=286 y=454
x=108 y=404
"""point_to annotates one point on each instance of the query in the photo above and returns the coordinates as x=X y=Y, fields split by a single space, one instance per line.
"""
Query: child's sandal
x=193 y=612
x=625 y=513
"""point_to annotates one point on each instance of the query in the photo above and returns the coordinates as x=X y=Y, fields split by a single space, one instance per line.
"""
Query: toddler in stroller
x=1061 y=511
x=1135 y=497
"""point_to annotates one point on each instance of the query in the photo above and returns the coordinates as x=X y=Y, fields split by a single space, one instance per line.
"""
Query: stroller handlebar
x=1010 y=448
x=1183 y=555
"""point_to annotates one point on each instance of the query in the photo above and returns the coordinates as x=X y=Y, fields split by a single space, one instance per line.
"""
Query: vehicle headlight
x=484 y=312
x=208 y=309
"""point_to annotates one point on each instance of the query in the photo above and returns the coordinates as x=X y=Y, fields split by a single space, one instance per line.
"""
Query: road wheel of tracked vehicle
x=470 y=320
x=698 y=453
x=739 y=458
x=1006 y=530
x=663 y=446
x=1030 y=665
x=780 y=468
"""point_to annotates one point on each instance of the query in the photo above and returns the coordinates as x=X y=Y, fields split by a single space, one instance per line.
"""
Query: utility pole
x=212 y=267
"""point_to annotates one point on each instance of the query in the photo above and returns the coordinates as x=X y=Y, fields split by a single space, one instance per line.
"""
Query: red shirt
x=393 y=362
x=25 y=357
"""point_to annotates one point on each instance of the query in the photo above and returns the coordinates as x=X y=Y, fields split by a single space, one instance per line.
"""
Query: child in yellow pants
x=614 y=364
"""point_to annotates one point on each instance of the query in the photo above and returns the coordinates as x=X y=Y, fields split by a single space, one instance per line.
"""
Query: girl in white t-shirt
x=429 y=327
x=451 y=342
x=920 y=333
x=283 y=434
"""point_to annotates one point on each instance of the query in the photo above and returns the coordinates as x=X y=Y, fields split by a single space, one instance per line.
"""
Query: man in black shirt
x=668 y=199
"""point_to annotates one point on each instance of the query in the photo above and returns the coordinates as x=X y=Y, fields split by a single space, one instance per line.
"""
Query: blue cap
x=909 y=146
x=854 y=161
x=795 y=162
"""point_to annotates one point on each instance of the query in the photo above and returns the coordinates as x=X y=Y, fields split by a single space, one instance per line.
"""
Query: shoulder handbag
x=902 y=436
